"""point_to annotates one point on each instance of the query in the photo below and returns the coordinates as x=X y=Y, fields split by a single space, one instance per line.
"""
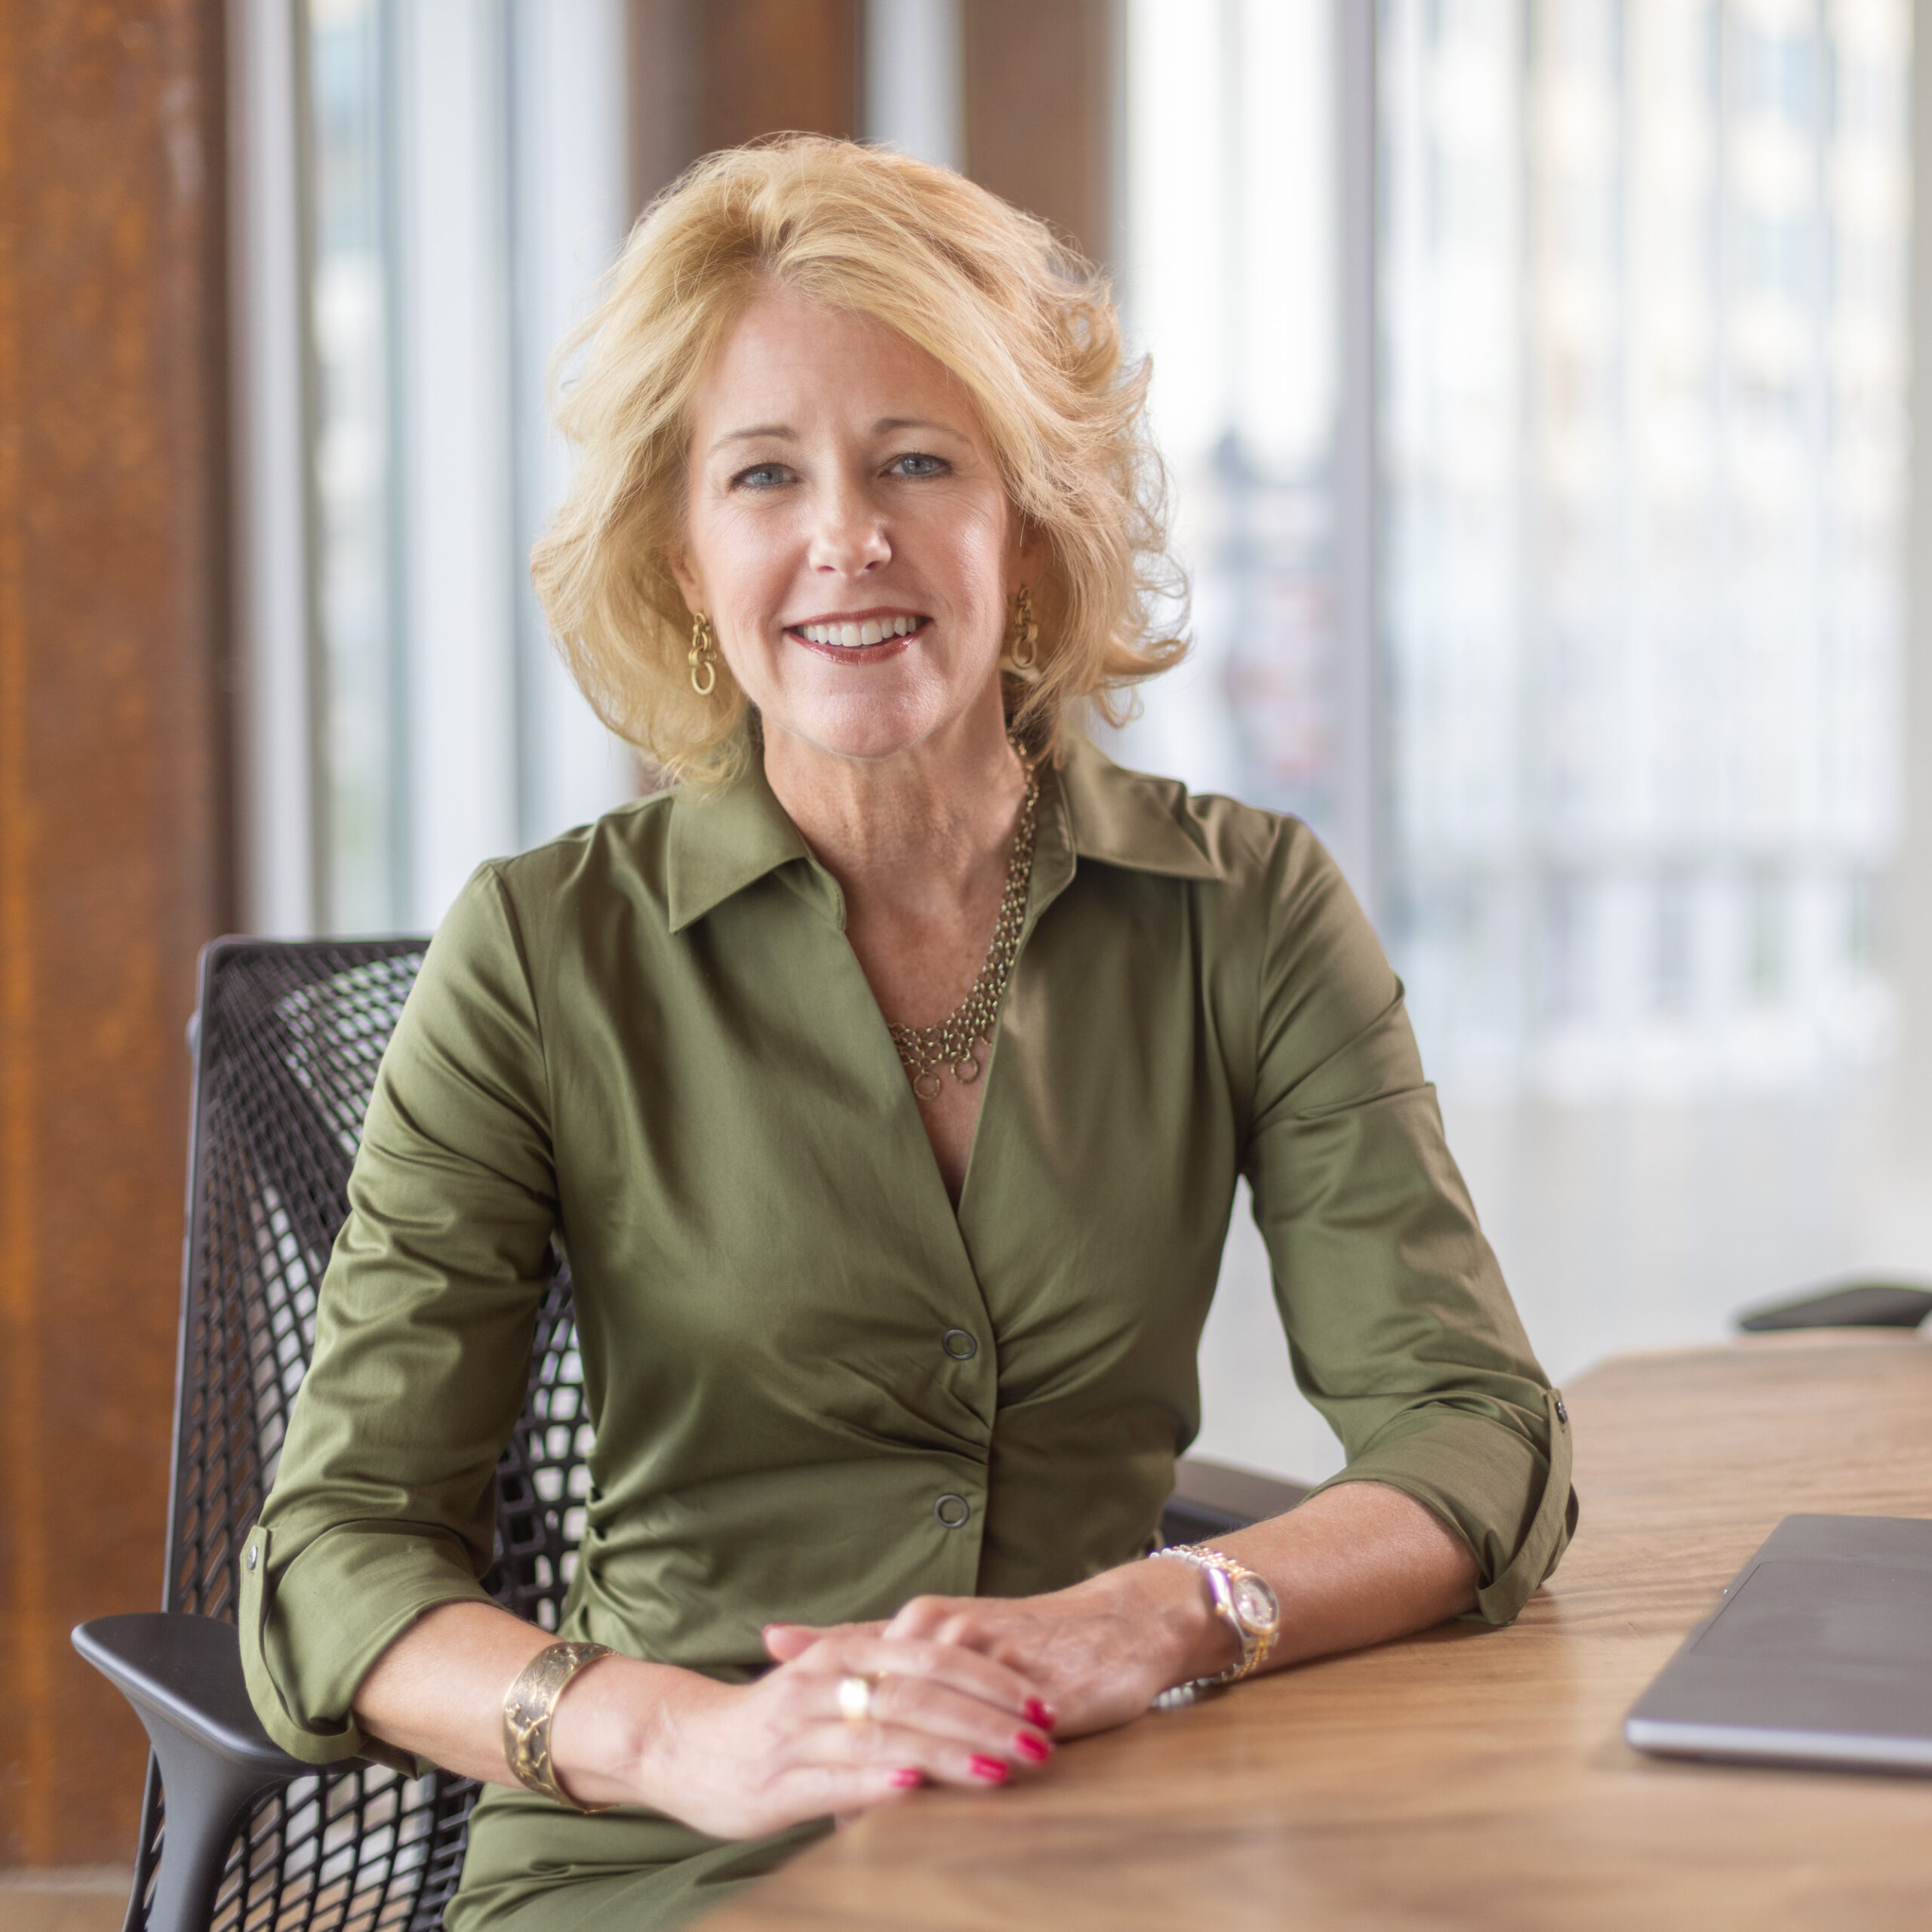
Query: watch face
x=1256 y=1603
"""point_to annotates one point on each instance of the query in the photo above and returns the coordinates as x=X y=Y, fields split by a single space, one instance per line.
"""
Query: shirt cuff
x=1508 y=1498
x=312 y=1624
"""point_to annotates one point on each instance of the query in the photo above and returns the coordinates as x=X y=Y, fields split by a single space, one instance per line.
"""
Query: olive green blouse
x=815 y=1390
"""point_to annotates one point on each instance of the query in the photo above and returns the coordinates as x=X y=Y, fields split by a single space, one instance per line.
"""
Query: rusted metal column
x=1041 y=89
x=709 y=74
x=113 y=838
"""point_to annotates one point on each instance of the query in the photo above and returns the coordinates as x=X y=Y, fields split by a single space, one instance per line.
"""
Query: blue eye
x=916 y=463
x=760 y=476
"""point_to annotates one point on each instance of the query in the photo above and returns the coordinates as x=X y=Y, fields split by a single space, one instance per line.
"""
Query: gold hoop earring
x=1023 y=644
x=702 y=656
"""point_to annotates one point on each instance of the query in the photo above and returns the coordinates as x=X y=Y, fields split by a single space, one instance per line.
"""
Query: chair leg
x=207 y=1798
x=144 y=1854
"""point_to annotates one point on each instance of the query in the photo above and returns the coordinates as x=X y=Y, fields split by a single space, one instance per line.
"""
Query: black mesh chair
x=286 y=1042
x=234 y=1833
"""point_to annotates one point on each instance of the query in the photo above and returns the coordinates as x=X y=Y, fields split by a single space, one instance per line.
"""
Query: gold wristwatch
x=1244 y=1601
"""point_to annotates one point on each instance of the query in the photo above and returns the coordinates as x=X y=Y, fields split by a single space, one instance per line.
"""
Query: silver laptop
x=1821 y=1654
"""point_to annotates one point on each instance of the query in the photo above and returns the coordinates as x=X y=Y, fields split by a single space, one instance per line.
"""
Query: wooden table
x=1470 y=1777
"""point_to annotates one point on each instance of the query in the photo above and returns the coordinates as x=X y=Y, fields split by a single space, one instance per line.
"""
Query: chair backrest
x=286 y=1040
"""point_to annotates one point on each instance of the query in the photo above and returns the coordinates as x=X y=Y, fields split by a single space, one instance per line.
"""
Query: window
x=459 y=173
x=1644 y=328
x=1232 y=279
x=1620 y=785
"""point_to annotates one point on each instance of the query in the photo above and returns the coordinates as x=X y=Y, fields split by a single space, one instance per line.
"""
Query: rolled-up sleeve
x=383 y=1505
x=1400 y=1329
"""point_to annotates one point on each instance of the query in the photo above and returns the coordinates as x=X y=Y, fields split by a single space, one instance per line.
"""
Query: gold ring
x=856 y=1695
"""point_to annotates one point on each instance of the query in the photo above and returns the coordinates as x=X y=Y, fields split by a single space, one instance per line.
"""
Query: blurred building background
x=1536 y=377
x=1599 y=691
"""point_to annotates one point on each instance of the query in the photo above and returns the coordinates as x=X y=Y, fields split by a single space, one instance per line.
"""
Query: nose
x=849 y=538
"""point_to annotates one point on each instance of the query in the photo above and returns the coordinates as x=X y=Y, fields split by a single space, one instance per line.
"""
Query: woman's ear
x=1029 y=555
x=686 y=579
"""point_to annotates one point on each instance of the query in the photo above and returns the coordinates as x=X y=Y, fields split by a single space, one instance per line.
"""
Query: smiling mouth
x=858 y=634
x=860 y=640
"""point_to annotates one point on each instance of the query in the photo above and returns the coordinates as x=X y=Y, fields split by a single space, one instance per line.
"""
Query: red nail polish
x=991 y=1769
x=1027 y=1745
x=907 y=1777
x=1040 y=1713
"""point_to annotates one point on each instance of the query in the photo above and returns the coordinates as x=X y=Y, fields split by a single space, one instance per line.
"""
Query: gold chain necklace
x=923 y=1051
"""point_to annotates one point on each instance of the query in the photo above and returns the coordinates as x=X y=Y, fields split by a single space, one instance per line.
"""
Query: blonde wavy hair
x=1021 y=320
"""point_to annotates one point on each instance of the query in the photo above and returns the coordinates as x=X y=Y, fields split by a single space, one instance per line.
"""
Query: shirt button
x=953 y=1510
x=960 y=1346
x=249 y=1558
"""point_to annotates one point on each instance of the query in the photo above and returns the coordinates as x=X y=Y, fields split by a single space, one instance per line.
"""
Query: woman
x=891 y=1242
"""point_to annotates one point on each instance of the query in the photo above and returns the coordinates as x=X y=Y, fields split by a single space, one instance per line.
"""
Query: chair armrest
x=183 y=1675
x=1855 y=1305
x=1214 y=1499
x=187 y=1672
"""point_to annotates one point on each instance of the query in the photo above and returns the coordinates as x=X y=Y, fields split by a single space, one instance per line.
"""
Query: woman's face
x=847 y=531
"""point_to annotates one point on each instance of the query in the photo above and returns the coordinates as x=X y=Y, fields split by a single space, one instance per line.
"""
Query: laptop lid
x=1821 y=1654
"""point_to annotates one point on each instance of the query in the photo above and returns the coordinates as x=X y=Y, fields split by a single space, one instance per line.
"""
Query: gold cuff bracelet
x=528 y=1705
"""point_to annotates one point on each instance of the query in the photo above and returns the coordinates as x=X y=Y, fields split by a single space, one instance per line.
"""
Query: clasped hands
x=968 y=1691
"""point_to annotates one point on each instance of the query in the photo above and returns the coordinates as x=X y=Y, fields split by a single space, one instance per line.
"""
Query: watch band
x=528 y=1705
x=1228 y=1580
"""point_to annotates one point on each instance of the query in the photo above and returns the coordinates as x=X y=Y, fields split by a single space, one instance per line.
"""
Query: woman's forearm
x=1358 y=1565
x=734 y=1760
x=437 y=1690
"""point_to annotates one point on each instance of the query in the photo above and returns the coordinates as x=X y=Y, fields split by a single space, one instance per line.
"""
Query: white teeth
x=854 y=637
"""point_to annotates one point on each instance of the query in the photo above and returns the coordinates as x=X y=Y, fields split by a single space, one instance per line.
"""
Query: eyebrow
x=886 y=424
x=783 y=433
x=776 y=432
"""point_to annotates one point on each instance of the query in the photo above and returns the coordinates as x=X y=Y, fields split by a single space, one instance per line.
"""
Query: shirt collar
x=722 y=841
x=1125 y=818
